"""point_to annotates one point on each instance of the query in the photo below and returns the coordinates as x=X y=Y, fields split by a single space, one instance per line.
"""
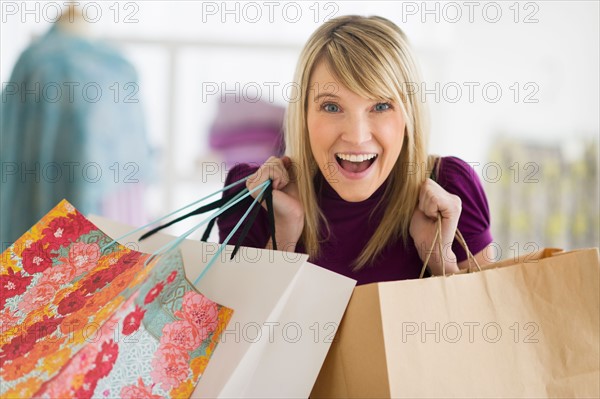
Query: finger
x=446 y=203
x=279 y=174
x=451 y=206
x=257 y=178
x=273 y=169
x=430 y=209
x=287 y=161
x=425 y=191
x=429 y=201
x=435 y=199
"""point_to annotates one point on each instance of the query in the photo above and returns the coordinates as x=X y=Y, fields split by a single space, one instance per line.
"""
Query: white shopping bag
x=286 y=313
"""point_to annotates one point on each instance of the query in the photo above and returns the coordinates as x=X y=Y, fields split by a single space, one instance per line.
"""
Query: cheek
x=397 y=143
x=319 y=138
x=392 y=139
x=312 y=129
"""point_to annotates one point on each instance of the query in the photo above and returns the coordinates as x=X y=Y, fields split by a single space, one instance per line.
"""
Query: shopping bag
x=83 y=316
x=524 y=327
x=286 y=314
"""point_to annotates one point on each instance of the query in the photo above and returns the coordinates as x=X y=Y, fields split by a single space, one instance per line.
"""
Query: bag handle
x=170 y=246
x=437 y=239
x=226 y=203
x=203 y=209
x=268 y=197
x=266 y=185
x=175 y=243
x=222 y=202
x=463 y=243
x=174 y=213
x=165 y=249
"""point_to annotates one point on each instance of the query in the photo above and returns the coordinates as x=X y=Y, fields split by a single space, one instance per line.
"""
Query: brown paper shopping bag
x=526 y=327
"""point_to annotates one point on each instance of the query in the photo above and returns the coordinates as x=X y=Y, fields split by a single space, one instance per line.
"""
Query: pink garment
x=233 y=114
x=245 y=132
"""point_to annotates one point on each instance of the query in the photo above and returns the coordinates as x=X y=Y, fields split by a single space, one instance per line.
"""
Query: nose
x=357 y=130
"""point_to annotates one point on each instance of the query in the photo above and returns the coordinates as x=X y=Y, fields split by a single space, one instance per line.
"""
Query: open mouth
x=355 y=163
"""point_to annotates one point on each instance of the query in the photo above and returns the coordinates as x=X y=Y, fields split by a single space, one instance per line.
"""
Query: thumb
x=287 y=162
x=289 y=166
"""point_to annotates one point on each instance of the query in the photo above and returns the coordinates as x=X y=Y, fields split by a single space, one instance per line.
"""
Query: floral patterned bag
x=83 y=318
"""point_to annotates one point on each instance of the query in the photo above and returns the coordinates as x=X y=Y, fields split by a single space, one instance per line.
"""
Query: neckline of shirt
x=327 y=191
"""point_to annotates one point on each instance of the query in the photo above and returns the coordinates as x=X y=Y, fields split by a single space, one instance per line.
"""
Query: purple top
x=351 y=226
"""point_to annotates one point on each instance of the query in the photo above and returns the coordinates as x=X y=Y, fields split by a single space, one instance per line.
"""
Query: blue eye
x=382 y=107
x=329 y=107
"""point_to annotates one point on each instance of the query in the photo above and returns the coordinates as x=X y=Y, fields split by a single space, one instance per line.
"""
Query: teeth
x=356 y=158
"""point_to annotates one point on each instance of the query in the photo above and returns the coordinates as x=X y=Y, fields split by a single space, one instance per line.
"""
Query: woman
x=354 y=191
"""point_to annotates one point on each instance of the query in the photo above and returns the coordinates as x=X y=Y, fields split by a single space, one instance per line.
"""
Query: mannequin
x=73 y=22
x=69 y=136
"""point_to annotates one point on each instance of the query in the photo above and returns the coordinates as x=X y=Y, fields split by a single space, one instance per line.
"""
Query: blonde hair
x=371 y=57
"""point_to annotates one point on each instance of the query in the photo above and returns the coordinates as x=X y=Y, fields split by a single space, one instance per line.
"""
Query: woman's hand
x=287 y=209
x=434 y=200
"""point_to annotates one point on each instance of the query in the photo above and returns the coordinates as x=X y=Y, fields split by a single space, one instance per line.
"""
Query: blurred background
x=131 y=109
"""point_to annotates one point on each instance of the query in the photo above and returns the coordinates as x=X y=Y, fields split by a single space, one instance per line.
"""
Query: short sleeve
x=258 y=236
x=458 y=177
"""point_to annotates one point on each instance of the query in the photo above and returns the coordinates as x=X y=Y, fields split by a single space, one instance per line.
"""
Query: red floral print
x=62 y=231
x=46 y=347
x=126 y=261
x=103 y=364
x=200 y=312
x=22 y=344
x=17 y=347
x=170 y=366
x=46 y=326
x=154 y=292
x=84 y=256
x=36 y=258
x=132 y=321
x=71 y=303
x=105 y=359
x=86 y=390
x=181 y=334
x=172 y=276
x=37 y=297
x=12 y=284
x=58 y=275
x=138 y=391
x=7 y=322
x=97 y=280
x=18 y=367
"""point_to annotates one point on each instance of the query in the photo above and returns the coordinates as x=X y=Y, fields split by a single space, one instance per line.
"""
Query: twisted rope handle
x=437 y=239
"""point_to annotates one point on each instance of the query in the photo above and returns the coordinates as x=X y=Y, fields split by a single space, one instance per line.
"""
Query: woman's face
x=355 y=141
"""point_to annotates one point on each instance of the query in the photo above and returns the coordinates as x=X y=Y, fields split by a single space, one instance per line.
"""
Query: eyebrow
x=326 y=95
